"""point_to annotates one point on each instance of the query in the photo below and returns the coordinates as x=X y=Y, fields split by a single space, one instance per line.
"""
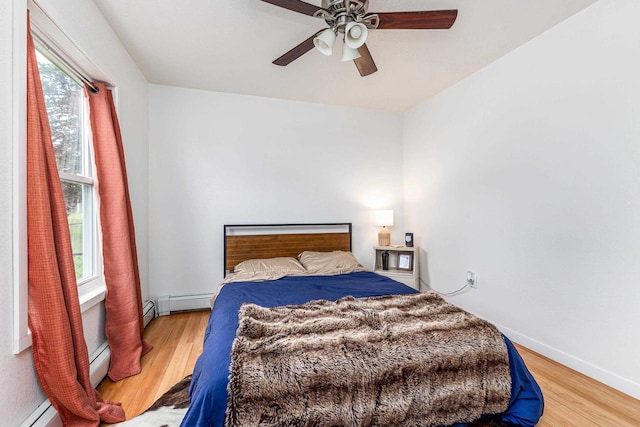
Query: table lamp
x=384 y=218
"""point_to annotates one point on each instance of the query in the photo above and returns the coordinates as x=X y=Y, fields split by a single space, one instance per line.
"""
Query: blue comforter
x=211 y=373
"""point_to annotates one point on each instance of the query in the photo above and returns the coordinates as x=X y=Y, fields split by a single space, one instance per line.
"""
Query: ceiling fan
x=350 y=17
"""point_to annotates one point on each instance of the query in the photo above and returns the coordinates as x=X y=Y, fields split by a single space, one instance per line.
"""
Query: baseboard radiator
x=168 y=304
x=46 y=416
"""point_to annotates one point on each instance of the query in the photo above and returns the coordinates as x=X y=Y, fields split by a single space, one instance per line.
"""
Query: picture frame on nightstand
x=405 y=261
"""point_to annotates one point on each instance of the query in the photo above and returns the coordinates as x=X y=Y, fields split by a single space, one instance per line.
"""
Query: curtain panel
x=59 y=350
x=124 y=324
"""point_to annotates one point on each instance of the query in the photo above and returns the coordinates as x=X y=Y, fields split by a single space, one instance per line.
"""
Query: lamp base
x=384 y=237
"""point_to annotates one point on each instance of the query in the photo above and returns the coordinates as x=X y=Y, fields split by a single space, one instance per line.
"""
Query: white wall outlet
x=472 y=279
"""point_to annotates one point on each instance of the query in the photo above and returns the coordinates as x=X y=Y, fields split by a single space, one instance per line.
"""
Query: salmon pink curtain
x=123 y=302
x=59 y=350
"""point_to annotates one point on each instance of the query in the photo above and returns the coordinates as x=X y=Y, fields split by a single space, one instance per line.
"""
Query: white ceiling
x=228 y=46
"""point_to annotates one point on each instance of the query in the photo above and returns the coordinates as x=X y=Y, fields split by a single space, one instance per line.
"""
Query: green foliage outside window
x=64 y=99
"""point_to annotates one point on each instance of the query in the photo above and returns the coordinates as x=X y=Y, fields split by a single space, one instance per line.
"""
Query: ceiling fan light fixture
x=324 y=41
x=352 y=19
x=349 y=54
x=355 y=34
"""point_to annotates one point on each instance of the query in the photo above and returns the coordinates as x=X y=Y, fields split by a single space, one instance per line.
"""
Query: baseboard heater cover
x=46 y=416
x=168 y=304
x=148 y=312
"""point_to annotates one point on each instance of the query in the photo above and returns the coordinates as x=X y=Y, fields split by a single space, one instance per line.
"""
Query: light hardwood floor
x=571 y=399
x=177 y=343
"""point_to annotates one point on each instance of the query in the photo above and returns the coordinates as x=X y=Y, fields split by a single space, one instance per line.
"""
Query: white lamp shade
x=355 y=34
x=384 y=218
x=349 y=54
x=324 y=41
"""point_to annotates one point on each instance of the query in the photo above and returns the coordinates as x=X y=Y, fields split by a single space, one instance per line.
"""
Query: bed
x=218 y=373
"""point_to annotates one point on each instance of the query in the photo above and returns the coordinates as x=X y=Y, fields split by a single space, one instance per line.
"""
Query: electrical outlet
x=472 y=279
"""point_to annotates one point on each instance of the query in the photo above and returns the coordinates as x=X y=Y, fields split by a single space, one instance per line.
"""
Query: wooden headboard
x=251 y=241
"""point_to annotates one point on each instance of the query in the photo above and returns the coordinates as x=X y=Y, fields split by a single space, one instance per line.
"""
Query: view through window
x=67 y=110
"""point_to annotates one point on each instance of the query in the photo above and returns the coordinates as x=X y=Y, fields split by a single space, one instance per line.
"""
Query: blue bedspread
x=211 y=373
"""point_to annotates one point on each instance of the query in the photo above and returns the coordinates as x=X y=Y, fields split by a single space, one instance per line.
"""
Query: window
x=68 y=115
x=67 y=109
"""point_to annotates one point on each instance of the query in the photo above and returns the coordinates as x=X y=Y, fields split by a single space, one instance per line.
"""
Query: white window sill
x=91 y=293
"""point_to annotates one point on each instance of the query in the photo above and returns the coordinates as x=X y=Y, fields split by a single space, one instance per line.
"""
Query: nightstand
x=404 y=264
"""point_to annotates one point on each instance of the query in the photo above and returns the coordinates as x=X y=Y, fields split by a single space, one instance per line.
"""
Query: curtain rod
x=58 y=52
x=69 y=67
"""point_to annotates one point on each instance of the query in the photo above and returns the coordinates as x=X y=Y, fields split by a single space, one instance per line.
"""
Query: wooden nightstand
x=399 y=269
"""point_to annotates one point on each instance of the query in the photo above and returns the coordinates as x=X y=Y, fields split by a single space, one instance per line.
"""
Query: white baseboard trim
x=46 y=416
x=168 y=304
x=609 y=378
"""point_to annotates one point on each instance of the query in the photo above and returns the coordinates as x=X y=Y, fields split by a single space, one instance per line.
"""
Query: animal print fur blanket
x=167 y=411
x=404 y=360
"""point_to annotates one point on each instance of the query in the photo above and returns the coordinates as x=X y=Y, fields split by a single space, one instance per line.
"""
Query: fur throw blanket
x=404 y=360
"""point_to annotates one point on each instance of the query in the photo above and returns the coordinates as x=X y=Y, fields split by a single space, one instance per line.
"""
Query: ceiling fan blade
x=423 y=20
x=296 y=52
x=296 y=6
x=365 y=63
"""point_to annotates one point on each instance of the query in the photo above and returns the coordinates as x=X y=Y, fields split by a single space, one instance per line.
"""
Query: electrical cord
x=448 y=294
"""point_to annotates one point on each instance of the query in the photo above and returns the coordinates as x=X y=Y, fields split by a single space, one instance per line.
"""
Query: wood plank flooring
x=177 y=343
x=571 y=399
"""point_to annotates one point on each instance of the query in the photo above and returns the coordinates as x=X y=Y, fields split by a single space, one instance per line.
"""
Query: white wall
x=219 y=158
x=528 y=173
x=83 y=23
